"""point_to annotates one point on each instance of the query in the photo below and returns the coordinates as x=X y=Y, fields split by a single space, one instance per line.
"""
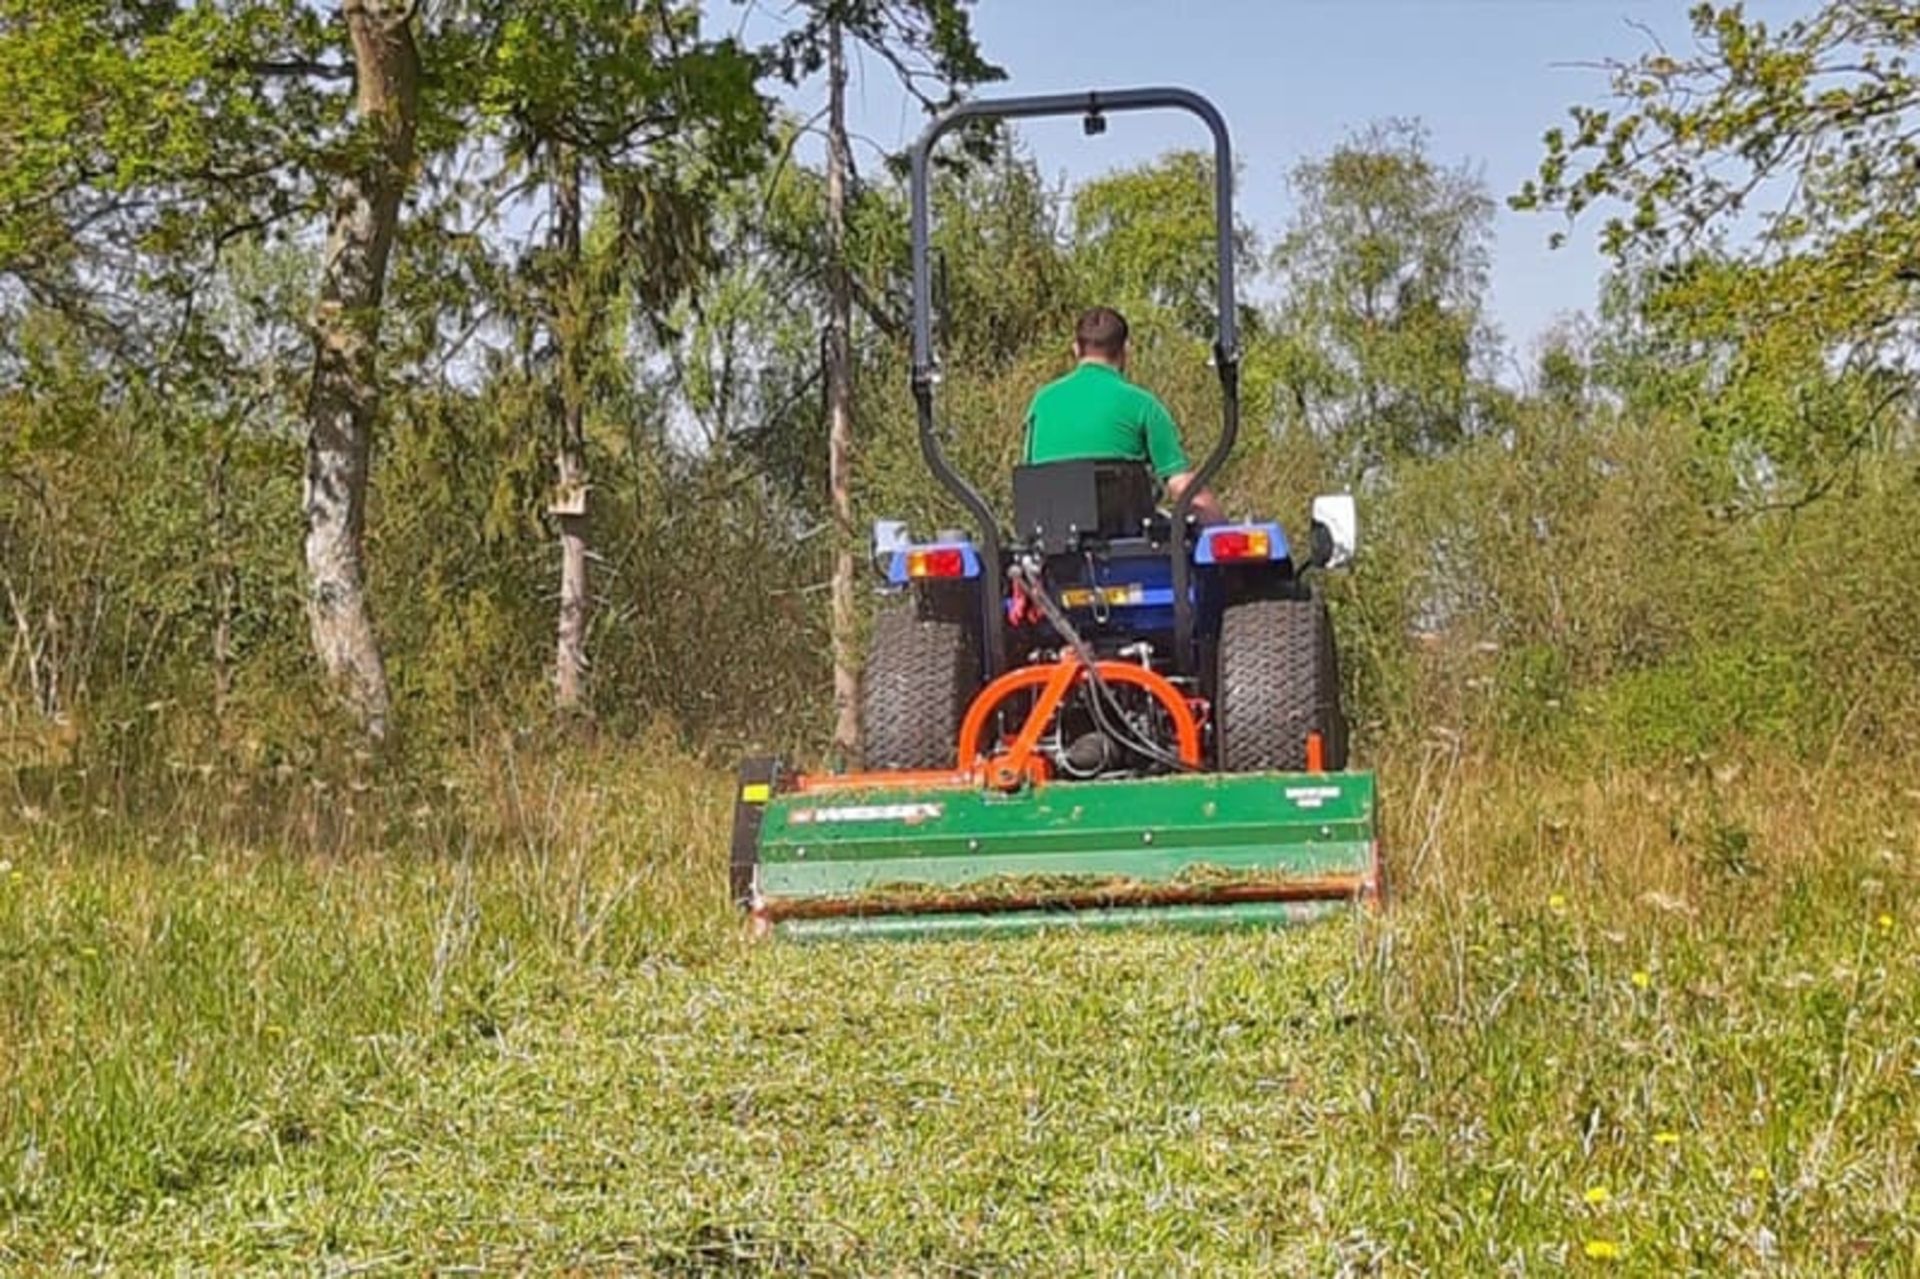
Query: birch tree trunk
x=345 y=395
x=220 y=571
x=566 y=397
x=845 y=626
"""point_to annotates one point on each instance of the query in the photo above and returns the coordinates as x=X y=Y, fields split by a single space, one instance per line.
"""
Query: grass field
x=1654 y=1022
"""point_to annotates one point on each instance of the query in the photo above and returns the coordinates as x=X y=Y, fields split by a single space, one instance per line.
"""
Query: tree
x=1145 y=240
x=745 y=359
x=344 y=400
x=150 y=151
x=839 y=375
x=1008 y=279
x=1384 y=272
x=925 y=42
x=134 y=149
x=1771 y=222
x=628 y=100
x=146 y=150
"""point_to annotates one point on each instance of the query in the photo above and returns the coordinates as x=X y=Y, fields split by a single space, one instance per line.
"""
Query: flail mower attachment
x=1001 y=847
x=1208 y=851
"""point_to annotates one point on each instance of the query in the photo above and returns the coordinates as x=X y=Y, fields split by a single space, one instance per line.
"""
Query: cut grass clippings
x=1200 y=883
x=1581 y=1037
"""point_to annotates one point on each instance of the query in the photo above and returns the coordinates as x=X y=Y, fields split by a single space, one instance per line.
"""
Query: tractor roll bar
x=1093 y=106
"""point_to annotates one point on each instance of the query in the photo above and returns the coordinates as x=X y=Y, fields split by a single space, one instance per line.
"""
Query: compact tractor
x=1103 y=715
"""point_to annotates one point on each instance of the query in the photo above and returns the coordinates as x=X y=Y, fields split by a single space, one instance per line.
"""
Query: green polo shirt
x=1095 y=413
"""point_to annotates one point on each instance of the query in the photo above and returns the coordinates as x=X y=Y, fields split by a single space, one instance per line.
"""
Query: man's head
x=1101 y=335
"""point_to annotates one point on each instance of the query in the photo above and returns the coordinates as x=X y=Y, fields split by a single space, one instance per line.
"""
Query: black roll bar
x=1093 y=106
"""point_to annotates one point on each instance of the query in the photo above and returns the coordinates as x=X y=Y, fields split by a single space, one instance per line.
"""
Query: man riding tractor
x=1095 y=414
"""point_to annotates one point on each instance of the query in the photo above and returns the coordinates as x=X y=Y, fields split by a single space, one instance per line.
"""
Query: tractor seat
x=1061 y=507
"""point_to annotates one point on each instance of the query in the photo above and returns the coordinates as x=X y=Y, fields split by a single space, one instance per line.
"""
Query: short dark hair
x=1101 y=331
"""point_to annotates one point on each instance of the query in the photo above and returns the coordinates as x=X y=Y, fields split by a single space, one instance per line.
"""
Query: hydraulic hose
x=1105 y=712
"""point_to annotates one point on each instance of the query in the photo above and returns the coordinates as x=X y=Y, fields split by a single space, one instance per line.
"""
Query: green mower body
x=1205 y=851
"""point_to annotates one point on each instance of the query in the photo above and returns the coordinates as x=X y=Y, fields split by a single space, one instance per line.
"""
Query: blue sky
x=1487 y=77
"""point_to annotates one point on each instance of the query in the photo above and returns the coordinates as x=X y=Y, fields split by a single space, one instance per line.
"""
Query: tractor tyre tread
x=1278 y=681
x=923 y=669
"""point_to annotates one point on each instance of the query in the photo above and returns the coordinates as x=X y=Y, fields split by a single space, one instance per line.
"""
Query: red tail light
x=1242 y=544
x=945 y=561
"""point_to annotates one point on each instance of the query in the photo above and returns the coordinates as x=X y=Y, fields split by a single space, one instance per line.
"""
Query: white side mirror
x=1336 y=513
x=889 y=536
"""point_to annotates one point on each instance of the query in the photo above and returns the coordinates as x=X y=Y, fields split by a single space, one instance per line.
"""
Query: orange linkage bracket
x=976 y=764
x=1018 y=765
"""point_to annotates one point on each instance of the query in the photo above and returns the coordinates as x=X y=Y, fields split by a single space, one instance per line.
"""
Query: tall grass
x=1665 y=1015
x=1644 y=999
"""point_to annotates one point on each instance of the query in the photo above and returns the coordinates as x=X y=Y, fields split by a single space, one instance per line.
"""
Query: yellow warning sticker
x=756 y=793
x=1083 y=597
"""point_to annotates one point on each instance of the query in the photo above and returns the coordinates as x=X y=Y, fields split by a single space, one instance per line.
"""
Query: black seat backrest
x=1059 y=505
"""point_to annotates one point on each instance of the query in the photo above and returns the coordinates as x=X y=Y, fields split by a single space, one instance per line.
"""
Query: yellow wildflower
x=1602 y=1250
x=1597 y=1195
x=1756 y=1173
x=1886 y=923
x=1557 y=903
x=1666 y=1139
x=1642 y=979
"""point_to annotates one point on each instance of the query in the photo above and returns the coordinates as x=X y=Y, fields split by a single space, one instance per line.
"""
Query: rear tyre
x=1279 y=680
x=923 y=669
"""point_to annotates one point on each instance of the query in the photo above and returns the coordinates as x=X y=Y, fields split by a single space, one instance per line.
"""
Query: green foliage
x=139 y=139
x=1781 y=413
x=1557 y=583
x=1822 y=98
x=662 y=116
x=746 y=361
x=921 y=40
x=1382 y=337
x=1009 y=283
x=609 y=78
x=1146 y=243
x=1565 y=587
x=107 y=510
x=1707 y=698
x=1768 y=182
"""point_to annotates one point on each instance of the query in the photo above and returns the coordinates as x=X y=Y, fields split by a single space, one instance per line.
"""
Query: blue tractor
x=1226 y=618
x=1104 y=715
